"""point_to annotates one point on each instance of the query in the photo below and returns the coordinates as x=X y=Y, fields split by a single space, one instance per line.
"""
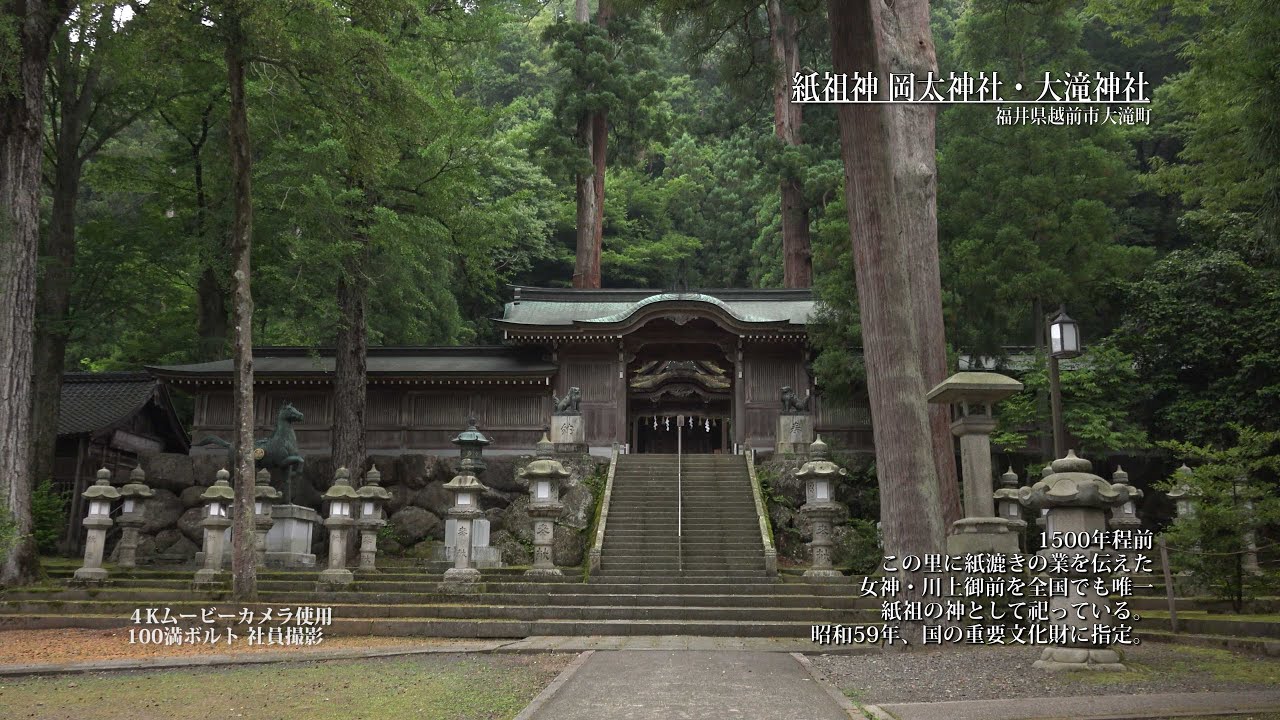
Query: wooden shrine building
x=641 y=358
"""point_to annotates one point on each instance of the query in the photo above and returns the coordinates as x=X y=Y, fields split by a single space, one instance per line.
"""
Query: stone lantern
x=1124 y=517
x=544 y=475
x=263 y=495
x=1007 y=506
x=471 y=443
x=372 y=497
x=218 y=500
x=1077 y=501
x=100 y=496
x=820 y=476
x=1045 y=472
x=466 y=491
x=1181 y=494
x=972 y=395
x=341 y=499
x=132 y=515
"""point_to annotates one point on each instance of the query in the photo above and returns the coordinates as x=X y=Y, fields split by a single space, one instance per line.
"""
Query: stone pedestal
x=128 y=557
x=482 y=554
x=262 y=523
x=462 y=575
x=1077 y=502
x=820 y=515
x=568 y=434
x=544 y=528
x=795 y=434
x=290 y=535
x=337 y=572
x=369 y=544
x=215 y=534
x=92 y=572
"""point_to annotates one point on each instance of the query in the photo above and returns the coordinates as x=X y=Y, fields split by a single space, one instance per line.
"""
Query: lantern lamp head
x=340 y=494
x=1064 y=335
x=100 y=495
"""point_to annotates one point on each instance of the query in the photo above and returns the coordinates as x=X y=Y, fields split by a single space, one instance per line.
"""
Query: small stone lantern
x=1077 y=501
x=1125 y=517
x=132 y=515
x=341 y=498
x=544 y=475
x=471 y=443
x=1007 y=505
x=1181 y=494
x=218 y=500
x=820 y=475
x=263 y=495
x=372 y=497
x=1045 y=472
x=100 y=496
x=466 y=491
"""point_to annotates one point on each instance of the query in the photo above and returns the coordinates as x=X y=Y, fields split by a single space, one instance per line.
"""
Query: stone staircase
x=720 y=533
x=709 y=581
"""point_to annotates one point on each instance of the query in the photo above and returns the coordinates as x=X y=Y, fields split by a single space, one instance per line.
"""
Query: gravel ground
x=63 y=646
x=994 y=672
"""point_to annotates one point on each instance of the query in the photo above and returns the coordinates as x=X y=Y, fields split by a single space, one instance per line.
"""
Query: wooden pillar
x=739 y=397
x=620 y=424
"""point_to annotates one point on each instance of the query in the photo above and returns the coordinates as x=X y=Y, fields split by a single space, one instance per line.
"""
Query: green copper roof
x=549 y=307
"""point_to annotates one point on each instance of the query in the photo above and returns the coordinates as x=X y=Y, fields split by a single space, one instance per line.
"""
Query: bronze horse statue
x=276 y=451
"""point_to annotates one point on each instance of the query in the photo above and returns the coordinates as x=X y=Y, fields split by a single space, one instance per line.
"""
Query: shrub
x=49 y=514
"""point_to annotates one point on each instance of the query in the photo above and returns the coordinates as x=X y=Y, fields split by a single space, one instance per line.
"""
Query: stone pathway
x=1096 y=707
x=579 y=643
x=689 y=684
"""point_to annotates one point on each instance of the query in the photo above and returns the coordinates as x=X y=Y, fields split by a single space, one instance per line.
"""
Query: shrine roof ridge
x=452 y=360
x=567 y=307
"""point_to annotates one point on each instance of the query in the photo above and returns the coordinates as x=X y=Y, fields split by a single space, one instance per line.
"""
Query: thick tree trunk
x=211 y=297
x=586 y=264
x=870 y=36
x=244 y=578
x=797 y=262
x=599 y=153
x=351 y=371
x=29 y=25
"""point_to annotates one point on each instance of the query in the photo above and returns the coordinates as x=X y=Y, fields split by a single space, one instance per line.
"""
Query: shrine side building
x=642 y=360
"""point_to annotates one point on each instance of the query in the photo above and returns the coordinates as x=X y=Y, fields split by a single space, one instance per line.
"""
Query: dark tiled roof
x=385 y=361
x=97 y=401
x=566 y=307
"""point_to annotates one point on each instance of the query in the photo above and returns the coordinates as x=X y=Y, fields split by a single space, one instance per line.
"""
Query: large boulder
x=414 y=471
x=205 y=466
x=182 y=551
x=189 y=524
x=161 y=511
x=492 y=498
x=513 y=551
x=400 y=497
x=433 y=497
x=191 y=497
x=413 y=524
x=566 y=547
x=516 y=520
x=168 y=471
x=388 y=465
x=579 y=504
x=500 y=473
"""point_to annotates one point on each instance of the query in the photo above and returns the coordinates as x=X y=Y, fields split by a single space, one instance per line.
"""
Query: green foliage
x=49 y=515
x=1203 y=327
x=8 y=530
x=1100 y=393
x=859 y=548
x=1233 y=493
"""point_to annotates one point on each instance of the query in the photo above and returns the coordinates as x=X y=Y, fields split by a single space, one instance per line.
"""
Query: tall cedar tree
x=586 y=264
x=888 y=190
x=244 y=575
x=26 y=34
x=797 y=258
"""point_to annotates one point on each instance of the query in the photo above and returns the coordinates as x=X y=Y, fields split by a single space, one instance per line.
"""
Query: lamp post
x=372 y=496
x=217 y=518
x=1064 y=342
x=819 y=476
x=544 y=475
x=263 y=494
x=471 y=443
x=340 y=496
x=100 y=495
x=132 y=516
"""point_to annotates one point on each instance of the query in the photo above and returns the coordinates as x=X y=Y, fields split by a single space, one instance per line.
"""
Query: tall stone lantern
x=372 y=497
x=100 y=496
x=1077 y=501
x=1181 y=494
x=1124 y=517
x=341 y=498
x=820 y=476
x=263 y=495
x=544 y=475
x=972 y=395
x=466 y=489
x=132 y=515
x=218 y=499
x=1007 y=506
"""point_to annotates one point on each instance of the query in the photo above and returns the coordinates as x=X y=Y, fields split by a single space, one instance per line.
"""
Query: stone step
x=475 y=628
x=167 y=598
